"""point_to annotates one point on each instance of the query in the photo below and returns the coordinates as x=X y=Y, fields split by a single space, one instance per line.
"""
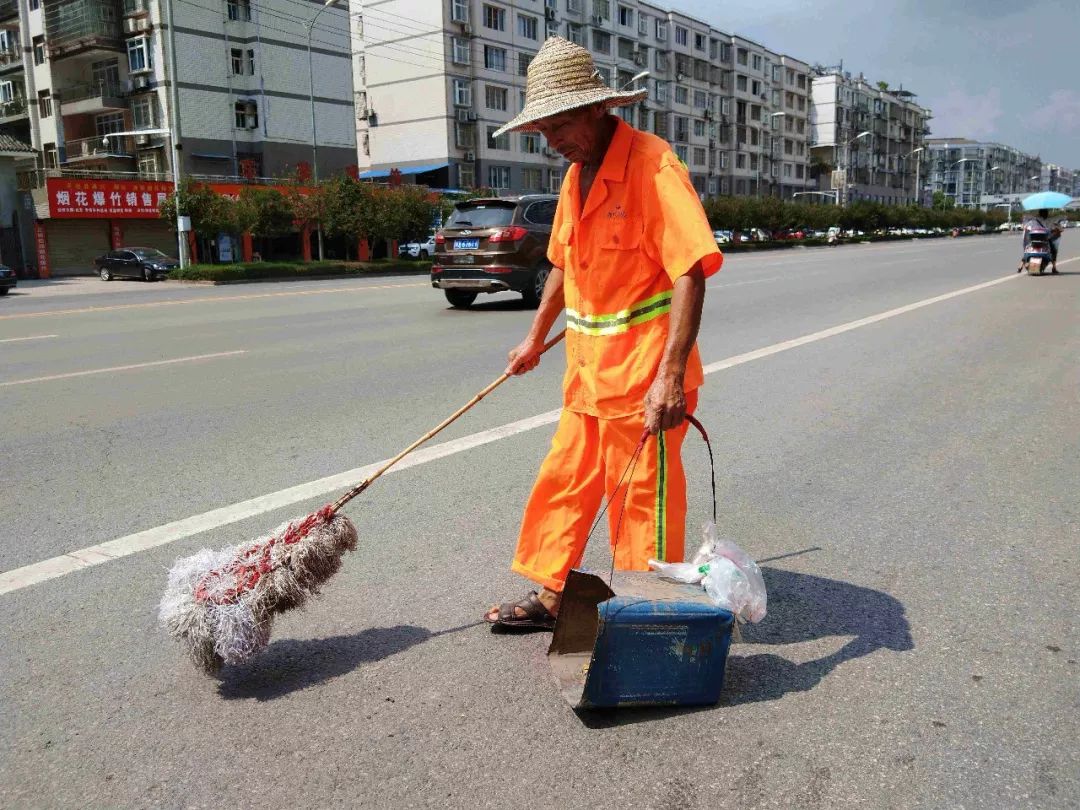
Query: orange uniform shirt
x=642 y=228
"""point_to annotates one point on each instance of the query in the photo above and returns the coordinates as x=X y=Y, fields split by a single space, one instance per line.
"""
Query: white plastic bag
x=727 y=573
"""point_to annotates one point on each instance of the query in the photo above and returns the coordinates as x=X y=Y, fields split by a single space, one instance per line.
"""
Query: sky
x=988 y=69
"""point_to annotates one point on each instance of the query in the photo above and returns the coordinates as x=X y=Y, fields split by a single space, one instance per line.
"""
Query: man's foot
x=1021 y=267
x=1053 y=271
x=537 y=611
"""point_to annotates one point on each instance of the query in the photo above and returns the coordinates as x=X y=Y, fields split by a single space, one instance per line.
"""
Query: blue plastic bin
x=645 y=641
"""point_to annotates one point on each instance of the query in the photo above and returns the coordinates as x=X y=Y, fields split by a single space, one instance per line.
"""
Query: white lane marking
x=32 y=574
x=131 y=367
x=30 y=337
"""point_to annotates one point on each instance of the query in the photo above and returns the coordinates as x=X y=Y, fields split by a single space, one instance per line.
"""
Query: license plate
x=466 y=244
x=466 y=259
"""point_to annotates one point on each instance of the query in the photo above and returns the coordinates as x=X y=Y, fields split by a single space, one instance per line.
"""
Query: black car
x=135 y=262
x=7 y=279
x=494 y=244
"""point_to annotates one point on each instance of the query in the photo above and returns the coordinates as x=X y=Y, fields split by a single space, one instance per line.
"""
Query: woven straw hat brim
x=571 y=100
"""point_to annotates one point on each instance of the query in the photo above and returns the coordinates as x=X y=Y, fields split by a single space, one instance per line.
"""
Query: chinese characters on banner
x=42 y=245
x=131 y=199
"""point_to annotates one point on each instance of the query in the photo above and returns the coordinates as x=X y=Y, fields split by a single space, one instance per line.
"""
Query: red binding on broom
x=221 y=604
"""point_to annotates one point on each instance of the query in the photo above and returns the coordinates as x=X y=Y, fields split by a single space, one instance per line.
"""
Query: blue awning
x=374 y=174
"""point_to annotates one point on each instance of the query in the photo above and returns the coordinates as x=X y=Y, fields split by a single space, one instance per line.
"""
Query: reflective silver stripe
x=619 y=322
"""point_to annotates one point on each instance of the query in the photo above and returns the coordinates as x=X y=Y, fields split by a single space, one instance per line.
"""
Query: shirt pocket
x=565 y=237
x=621 y=233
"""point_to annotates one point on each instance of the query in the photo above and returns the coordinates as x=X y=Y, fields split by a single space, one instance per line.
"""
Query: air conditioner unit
x=551 y=153
x=140 y=82
x=470 y=155
x=549 y=13
x=466 y=29
x=142 y=140
x=470 y=115
x=462 y=116
x=598 y=19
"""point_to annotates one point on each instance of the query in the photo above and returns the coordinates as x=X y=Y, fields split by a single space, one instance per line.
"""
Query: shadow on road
x=802 y=608
x=291 y=665
x=499 y=305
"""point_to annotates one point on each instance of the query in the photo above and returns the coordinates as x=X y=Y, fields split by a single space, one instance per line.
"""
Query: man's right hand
x=524 y=357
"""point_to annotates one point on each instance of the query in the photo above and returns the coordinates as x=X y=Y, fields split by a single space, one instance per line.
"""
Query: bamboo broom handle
x=352 y=493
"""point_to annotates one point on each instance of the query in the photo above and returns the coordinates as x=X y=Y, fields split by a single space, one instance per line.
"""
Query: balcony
x=92 y=97
x=95 y=149
x=77 y=27
x=13 y=110
x=9 y=8
x=11 y=56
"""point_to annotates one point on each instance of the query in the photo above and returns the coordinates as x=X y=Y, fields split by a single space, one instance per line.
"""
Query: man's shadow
x=291 y=665
x=804 y=607
x=801 y=608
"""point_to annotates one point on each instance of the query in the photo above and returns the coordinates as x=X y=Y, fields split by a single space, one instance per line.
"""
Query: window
x=699 y=156
x=681 y=95
x=35 y=5
x=755 y=61
x=742 y=56
x=531 y=180
x=237 y=60
x=725 y=52
x=802 y=104
x=140 y=56
x=755 y=87
x=699 y=42
x=459 y=51
x=802 y=82
x=789 y=146
x=239 y=10
x=144 y=112
x=524 y=60
x=660 y=125
x=462 y=93
x=464 y=135
x=723 y=160
x=499 y=177
x=554 y=182
x=740 y=83
x=699 y=128
x=7 y=92
x=108 y=123
x=246 y=114
x=501 y=143
x=642 y=24
x=626 y=16
x=527 y=26
x=148 y=163
x=573 y=6
x=44 y=104
x=495 y=97
x=251 y=62
x=800 y=126
x=740 y=161
x=540 y=213
x=601 y=41
x=699 y=99
x=681 y=35
x=575 y=34
x=661 y=92
x=551 y=29
x=602 y=9
x=604 y=74
x=661 y=29
x=530 y=143
x=466 y=173
x=682 y=133
x=39 y=50
x=459 y=10
x=799 y=171
x=725 y=106
x=494 y=18
x=494 y=58
x=681 y=151
x=787 y=170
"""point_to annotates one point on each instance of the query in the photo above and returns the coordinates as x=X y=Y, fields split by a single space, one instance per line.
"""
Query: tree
x=359 y=210
x=941 y=202
x=264 y=212
x=210 y=212
x=883 y=86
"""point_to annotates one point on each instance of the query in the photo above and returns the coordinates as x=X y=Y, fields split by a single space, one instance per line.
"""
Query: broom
x=220 y=605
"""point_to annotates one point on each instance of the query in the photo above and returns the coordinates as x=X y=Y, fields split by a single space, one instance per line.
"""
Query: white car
x=418 y=250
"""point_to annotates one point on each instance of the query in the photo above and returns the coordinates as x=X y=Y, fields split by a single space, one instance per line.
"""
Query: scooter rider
x=1042 y=220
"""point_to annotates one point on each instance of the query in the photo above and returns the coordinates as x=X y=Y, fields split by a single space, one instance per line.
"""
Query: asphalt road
x=910 y=481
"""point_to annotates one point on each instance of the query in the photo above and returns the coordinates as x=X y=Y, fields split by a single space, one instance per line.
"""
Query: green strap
x=661 y=496
x=617 y=323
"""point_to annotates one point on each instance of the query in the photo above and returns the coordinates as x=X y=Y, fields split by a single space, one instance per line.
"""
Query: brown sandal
x=537 y=617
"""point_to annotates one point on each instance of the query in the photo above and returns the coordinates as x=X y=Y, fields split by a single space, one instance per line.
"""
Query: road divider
x=35 y=573
x=131 y=367
x=29 y=337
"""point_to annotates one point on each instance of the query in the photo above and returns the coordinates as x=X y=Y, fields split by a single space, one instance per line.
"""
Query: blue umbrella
x=1046 y=199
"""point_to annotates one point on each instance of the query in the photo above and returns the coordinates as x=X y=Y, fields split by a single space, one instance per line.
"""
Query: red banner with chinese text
x=85 y=198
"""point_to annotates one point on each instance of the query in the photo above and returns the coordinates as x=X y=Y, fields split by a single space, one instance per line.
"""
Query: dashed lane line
x=132 y=367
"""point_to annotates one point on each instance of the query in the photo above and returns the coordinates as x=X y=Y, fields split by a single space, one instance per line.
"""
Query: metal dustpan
x=645 y=641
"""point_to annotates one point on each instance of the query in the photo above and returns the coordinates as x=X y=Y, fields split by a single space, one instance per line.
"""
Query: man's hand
x=524 y=357
x=665 y=404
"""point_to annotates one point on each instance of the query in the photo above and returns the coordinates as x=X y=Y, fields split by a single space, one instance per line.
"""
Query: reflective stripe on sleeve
x=618 y=322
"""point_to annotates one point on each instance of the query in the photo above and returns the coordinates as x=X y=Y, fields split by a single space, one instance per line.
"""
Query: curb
x=275 y=279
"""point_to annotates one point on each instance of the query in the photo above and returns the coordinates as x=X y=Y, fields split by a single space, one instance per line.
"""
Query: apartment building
x=435 y=80
x=1058 y=178
x=76 y=73
x=868 y=140
x=975 y=174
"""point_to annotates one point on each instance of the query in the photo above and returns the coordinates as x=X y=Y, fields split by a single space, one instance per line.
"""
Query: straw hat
x=562 y=76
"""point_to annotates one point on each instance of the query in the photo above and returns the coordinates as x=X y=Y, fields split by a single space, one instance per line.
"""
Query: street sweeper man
x=630 y=250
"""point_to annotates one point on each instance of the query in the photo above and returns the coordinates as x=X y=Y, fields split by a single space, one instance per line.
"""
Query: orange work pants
x=588 y=456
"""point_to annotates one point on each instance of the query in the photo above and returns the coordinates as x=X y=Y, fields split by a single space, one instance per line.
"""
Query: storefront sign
x=71 y=198
x=42 y=245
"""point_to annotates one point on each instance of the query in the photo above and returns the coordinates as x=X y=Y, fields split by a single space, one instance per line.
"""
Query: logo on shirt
x=618 y=212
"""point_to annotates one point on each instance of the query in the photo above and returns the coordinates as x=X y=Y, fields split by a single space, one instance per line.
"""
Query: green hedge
x=259 y=271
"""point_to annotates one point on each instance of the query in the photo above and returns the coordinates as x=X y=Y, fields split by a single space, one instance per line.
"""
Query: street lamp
x=834 y=195
x=847 y=157
x=918 y=166
x=311 y=91
x=957 y=194
x=985 y=194
x=180 y=252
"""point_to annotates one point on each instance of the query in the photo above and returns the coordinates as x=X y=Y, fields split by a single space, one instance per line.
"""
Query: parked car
x=417 y=250
x=790 y=233
x=722 y=237
x=135 y=262
x=8 y=279
x=494 y=244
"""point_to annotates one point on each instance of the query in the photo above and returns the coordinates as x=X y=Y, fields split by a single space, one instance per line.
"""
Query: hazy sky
x=1001 y=70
